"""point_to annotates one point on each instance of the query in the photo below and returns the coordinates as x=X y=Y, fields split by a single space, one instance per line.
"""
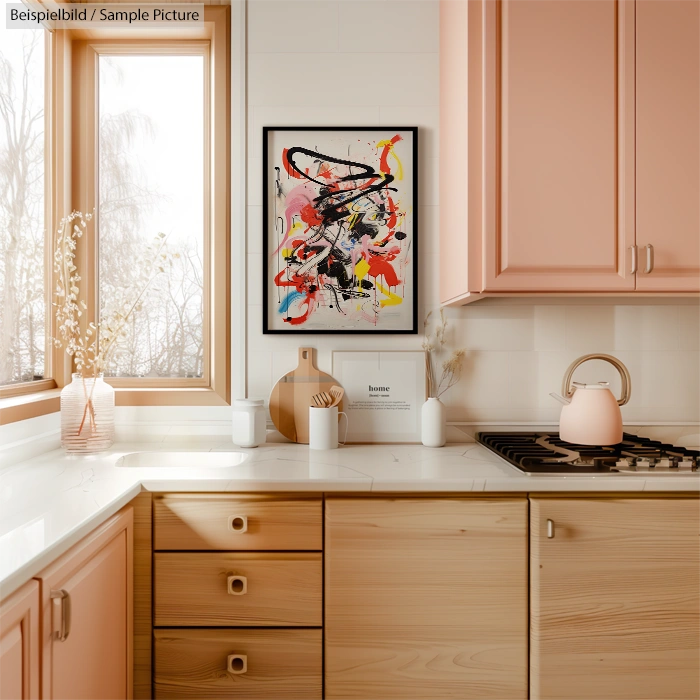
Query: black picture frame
x=268 y=182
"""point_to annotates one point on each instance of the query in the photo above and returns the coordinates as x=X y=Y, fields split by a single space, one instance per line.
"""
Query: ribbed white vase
x=433 y=423
x=87 y=414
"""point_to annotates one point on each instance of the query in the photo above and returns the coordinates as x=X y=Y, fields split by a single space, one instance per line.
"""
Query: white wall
x=368 y=63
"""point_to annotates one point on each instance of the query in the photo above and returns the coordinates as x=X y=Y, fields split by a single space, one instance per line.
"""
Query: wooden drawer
x=247 y=523
x=283 y=589
x=280 y=664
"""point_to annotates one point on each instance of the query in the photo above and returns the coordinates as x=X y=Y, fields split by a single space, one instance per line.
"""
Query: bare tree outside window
x=151 y=180
x=22 y=227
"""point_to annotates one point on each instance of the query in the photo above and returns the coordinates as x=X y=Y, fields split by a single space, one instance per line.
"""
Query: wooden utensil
x=293 y=394
x=337 y=392
x=322 y=400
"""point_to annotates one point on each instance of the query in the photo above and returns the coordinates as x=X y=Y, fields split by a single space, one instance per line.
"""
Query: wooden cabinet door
x=19 y=644
x=558 y=145
x=668 y=143
x=94 y=660
x=426 y=598
x=615 y=599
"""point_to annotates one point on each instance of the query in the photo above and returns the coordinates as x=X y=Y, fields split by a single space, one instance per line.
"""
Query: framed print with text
x=384 y=394
x=339 y=230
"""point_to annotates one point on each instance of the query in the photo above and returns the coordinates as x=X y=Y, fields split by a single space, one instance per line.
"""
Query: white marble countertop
x=49 y=503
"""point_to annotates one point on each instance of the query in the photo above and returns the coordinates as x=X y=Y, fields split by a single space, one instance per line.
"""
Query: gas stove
x=541 y=453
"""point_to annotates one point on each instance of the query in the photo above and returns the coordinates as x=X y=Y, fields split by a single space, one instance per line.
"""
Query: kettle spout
x=560 y=398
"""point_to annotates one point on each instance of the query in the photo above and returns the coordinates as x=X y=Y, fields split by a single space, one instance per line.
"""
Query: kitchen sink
x=203 y=460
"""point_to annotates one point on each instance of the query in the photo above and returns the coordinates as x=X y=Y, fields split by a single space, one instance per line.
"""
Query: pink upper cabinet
x=668 y=144
x=537 y=137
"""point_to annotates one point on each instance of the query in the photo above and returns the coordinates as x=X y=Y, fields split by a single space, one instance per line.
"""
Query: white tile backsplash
x=409 y=26
x=342 y=79
x=280 y=26
x=590 y=328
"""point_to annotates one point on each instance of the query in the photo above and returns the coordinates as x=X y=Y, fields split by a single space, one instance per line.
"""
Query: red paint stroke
x=384 y=158
x=288 y=168
x=380 y=266
x=310 y=216
x=391 y=221
x=298 y=320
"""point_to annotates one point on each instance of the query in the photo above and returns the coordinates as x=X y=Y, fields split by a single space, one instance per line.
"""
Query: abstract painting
x=339 y=230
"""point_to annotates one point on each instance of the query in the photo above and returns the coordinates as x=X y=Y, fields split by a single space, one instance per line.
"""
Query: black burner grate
x=547 y=453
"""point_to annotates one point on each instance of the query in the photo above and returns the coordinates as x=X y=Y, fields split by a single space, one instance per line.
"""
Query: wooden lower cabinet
x=426 y=598
x=19 y=644
x=266 y=664
x=87 y=616
x=615 y=599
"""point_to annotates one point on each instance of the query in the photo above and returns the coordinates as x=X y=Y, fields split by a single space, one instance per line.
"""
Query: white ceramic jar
x=249 y=422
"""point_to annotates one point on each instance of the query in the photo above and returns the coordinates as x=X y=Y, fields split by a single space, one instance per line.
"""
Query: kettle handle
x=626 y=390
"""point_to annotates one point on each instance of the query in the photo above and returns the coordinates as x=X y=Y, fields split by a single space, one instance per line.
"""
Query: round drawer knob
x=237 y=663
x=237 y=585
x=238 y=523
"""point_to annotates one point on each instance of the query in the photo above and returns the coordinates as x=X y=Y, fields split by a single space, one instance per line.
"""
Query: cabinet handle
x=237 y=663
x=550 y=529
x=650 y=259
x=238 y=524
x=237 y=585
x=633 y=269
x=60 y=601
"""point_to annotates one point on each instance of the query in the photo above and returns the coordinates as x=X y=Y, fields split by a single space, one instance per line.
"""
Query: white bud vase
x=433 y=423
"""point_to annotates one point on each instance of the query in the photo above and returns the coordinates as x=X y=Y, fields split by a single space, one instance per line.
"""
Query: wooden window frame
x=213 y=388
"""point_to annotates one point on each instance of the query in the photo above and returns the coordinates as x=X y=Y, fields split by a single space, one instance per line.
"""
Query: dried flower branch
x=434 y=344
x=91 y=346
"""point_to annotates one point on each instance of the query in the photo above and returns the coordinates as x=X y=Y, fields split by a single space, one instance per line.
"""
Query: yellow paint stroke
x=298 y=226
x=361 y=269
x=392 y=153
x=393 y=300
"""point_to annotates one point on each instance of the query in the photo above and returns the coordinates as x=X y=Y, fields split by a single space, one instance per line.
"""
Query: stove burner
x=547 y=453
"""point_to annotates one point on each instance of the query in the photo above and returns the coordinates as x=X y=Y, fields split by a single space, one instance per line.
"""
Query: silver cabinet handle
x=633 y=268
x=60 y=601
x=650 y=259
x=237 y=663
x=238 y=524
x=550 y=529
x=237 y=585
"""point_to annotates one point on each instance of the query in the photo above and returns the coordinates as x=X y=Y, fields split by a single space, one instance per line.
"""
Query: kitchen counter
x=49 y=503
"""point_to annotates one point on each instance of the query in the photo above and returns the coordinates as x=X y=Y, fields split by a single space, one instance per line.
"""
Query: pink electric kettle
x=591 y=414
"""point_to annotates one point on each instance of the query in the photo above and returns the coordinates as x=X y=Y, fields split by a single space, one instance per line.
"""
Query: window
x=151 y=156
x=151 y=179
x=137 y=129
x=23 y=294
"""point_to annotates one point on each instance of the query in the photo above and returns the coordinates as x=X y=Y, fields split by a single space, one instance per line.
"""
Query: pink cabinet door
x=19 y=644
x=87 y=624
x=668 y=144
x=558 y=148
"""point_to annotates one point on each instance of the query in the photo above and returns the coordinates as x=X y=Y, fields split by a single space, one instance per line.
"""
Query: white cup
x=323 y=428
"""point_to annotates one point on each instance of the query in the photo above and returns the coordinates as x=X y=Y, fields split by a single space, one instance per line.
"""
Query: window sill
x=191 y=396
x=25 y=406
